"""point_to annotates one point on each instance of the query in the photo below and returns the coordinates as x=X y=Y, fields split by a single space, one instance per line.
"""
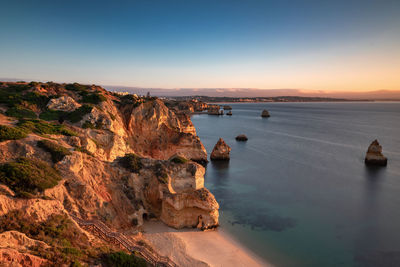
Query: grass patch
x=20 y=113
x=28 y=175
x=131 y=162
x=42 y=127
x=179 y=160
x=121 y=259
x=57 y=152
x=11 y=133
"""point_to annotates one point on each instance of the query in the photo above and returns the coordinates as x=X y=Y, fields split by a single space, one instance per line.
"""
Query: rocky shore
x=117 y=159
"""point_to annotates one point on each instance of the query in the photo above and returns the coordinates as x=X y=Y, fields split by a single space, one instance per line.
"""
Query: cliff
x=71 y=149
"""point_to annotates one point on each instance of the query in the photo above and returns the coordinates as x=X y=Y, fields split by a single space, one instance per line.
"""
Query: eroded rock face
x=221 y=151
x=157 y=132
x=12 y=257
x=374 y=155
x=64 y=103
x=265 y=113
x=190 y=208
x=96 y=186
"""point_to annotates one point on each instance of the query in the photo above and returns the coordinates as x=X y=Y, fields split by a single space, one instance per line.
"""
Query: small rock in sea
x=221 y=151
x=241 y=137
x=229 y=113
x=265 y=114
x=374 y=155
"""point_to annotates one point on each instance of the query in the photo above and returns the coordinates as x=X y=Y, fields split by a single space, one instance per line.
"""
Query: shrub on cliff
x=28 y=175
x=52 y=115
x=77 y=87
x=77 y=115
x=121 y=259
x=20 y=113
x=11 y=133
x=179 y=160
x=132 y=162
x=57 y=152
x=94 y=98
x=42 y=127
x=73 y=116
x=68 y=244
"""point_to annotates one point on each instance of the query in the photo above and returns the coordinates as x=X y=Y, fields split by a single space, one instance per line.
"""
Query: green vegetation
x=11 y=133
x=77 y=115
x=87 y=97
x=132 y=162
x=129 y=99
x=121 y=259
x=68 y=244
x=94 y=98
x=73 y=116
x=84 y=150
x=57 y=152
x=20 y=113
x=42 y=127
x=77 y=87
x=15 y=94
x=28 y=175
x=52 y=115
x=179 y=160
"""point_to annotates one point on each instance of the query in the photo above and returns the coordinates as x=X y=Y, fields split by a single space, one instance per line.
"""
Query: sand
x=190 y=247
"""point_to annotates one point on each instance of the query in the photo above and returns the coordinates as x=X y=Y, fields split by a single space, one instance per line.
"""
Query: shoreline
x=191 y=247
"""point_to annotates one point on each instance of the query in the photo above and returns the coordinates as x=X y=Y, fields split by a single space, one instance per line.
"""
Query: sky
x=308 y=45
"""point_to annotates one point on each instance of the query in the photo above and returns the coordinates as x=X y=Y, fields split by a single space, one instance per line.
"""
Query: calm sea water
x=298 y=192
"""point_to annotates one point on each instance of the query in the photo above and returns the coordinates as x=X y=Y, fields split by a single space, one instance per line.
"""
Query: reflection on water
x=298 y=192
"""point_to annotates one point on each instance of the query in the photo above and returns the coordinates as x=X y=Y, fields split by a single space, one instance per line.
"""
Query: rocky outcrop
x=265 y=114
x=63 y=103
x=156 y=132
x=241 y=137
x=190 y=209
x=14 y=258
x=374 y=155
x=96 y=186
x=214 y=110
x=221 y=151
x=227 y=107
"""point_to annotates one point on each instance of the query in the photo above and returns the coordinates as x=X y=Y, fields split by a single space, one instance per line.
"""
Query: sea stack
x=221 y=151
x=265 y=114
x=374 y=155
x=241 y=137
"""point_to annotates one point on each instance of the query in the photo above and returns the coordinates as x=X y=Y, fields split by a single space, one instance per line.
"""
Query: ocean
x=298 y=193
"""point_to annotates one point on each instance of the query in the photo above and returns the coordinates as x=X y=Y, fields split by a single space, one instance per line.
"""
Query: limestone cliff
x=87 y=135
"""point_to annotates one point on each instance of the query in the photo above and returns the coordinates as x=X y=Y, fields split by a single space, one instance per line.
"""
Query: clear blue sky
x=326 y=45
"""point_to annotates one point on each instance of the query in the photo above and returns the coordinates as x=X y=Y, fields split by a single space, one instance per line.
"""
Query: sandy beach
x=190 y=247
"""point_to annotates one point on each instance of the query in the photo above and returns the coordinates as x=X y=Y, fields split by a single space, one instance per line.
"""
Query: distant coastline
x=210 y=99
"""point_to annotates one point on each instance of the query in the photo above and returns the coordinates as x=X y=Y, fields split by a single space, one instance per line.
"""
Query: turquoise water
x=297 y=192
